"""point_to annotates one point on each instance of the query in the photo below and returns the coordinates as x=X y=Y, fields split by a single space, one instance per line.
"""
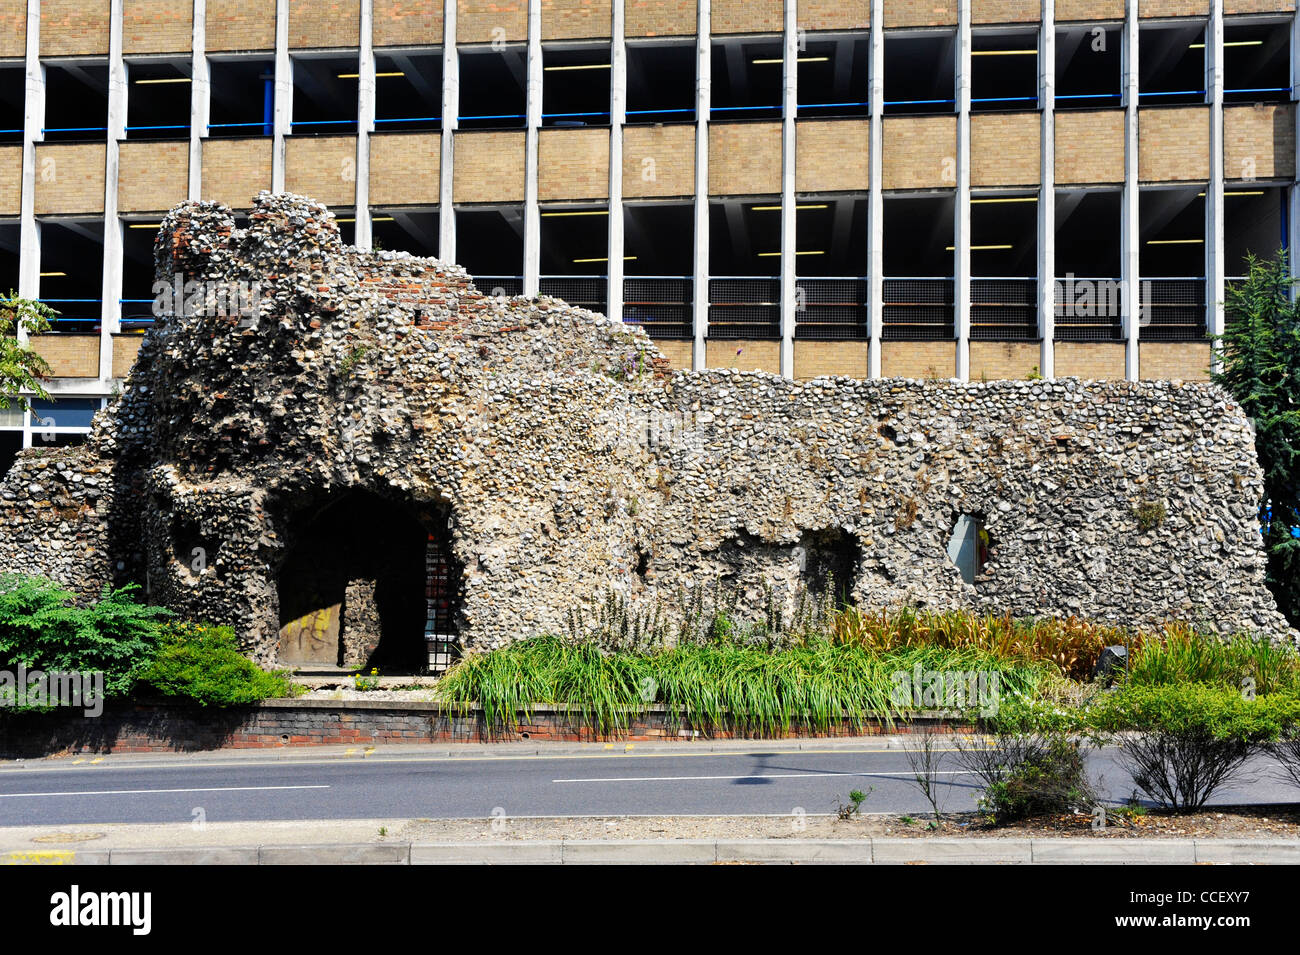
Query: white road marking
x=671 y=779
x=135 y=792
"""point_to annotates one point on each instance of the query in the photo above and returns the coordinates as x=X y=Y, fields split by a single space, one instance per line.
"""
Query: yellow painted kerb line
x=42 y=857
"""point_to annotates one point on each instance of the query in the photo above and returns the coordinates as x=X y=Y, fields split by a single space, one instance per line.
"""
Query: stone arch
x=353 y=587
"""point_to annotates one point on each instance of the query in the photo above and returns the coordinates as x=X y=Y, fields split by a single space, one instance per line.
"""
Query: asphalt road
x=251 y=787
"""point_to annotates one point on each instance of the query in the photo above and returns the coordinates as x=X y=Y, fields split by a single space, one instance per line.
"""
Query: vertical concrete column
x=1047 y=190
x=29 y=230
x=532 y=212
x=1130 y=247
x=365 y=122
x=703 y=99
x=200 y=98
x=1215 y=271
x=789 y=107
x=617 y=116
x=961 y=212
x=110 y=313
x=875 y=195
x=283 y=94
x=450 y=120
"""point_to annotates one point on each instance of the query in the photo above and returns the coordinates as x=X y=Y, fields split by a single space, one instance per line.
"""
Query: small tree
x=21 y=369
x=1261 y=369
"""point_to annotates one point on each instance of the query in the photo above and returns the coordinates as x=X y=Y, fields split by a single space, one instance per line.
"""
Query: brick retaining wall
x=165 y=727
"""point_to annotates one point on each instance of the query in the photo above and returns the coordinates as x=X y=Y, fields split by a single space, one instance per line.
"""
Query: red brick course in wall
x=170 y=728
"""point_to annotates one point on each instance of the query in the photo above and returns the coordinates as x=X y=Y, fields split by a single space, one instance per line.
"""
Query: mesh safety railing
x=1173 y=310
x=918 y=309
x=1004 y=310
x=584 y=291
x=660 y=305
x=745 y=308
x=1088 y=309
x=831 y=309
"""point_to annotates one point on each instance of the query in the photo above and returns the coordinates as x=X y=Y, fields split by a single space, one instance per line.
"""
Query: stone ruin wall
x=559 y=457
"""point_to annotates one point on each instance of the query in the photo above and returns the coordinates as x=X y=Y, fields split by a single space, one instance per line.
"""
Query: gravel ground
x=1255 y=822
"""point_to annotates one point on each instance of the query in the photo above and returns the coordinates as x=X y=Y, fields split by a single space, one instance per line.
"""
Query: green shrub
x=41 y=627
x=1030 y=774
x=202 y=663
x=1189 y=741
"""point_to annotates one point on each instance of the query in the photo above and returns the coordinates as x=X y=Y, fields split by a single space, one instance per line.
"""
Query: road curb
x=701 y=851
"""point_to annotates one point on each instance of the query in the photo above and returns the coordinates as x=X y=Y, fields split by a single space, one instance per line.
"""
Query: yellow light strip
x=177 y=79
x=554 y=215
x=626 y=258
x=1240 y=192
x=977 y=248
x=803 y=59
x=145 y=225
x=821 y=205
x=50 y=275
x=577 y=66
x=1008 y=199
x=1003 y=52
x=357 y=76
x=1201 y=46
x=764 y=255
x=1175 y=241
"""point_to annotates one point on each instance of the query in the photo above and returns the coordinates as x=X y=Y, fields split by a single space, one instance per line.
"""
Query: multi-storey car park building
x=943 y=188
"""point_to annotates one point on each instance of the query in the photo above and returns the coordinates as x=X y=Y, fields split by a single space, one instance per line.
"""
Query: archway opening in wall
x=831 y=559
x=969 y=546
x=367 y=582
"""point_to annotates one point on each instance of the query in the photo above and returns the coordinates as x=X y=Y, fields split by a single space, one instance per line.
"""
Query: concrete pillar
x=617 y=116
x=450 y=120
x=875 y=197
x=1130 y=248
x=703 y=98
x=283 y=94
x=961 y=212
x=532 y=212
x=1215 y=266
x=790 y=101
x=200 y=98
x=110 y=313
x=29 y=230
x=1047 y=191
x=365 y=123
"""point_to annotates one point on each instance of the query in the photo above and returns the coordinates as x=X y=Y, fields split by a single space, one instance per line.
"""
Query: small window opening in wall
x=1004 y=71
x=1257 y=62
x=969 y=546
x=13 y=88
x=158 y=100
x=325 y=95
x=243 y=96
x=76 y=98
x=831 y=559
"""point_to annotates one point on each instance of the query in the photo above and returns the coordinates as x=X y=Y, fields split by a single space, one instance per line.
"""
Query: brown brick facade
x=1259 y=141
x=1174 y=143
x=834 y=14
x=658 y=161
x=1173 y=8
x=404 y=168
x=69 y=178
x=815 y=359
x=992 y=361
x=920 y=152
x=1233 y=7
x=11 y=180
x=489 y=166
x=157 y=26
x=743 y=355
x=678 y=353
x=1180 y=361
x=13 y=27
x=1089 y=10
x=747 y=16
x=235 y=170
x=1090 y=147
x=69 y=356
x=918 y=359
x=1006 y=11
x=240 y=25
x=744 y=159
x=1005 y=149
x=124 y=351
x=1091 y=361
x=481 y=21
x=831 y=155
x=406 y=22
x=575 y=19
x=920 y=13
x=323 y=167
x=74 y=27
x=152 y=177
x=572 y=164
x=660 y=17
x=321 y=23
